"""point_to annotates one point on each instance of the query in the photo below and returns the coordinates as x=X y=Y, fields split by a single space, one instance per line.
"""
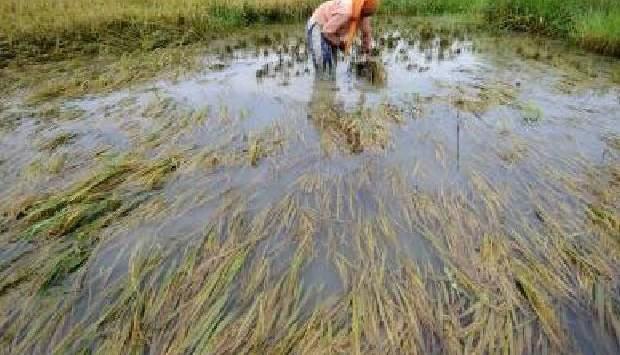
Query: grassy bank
x=48 y=30
x=593 y=24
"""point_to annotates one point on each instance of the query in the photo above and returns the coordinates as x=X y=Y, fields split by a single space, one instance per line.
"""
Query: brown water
x=470 y=121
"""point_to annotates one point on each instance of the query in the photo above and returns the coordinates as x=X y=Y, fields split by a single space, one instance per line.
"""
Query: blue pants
x=323 y=53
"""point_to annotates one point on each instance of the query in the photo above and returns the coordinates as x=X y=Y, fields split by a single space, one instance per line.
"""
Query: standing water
x=465 y=199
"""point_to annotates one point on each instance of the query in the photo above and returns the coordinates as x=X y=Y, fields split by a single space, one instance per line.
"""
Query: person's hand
x=366 y=48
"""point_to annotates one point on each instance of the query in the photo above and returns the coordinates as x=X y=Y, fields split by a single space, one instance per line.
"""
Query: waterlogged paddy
x=465 y=201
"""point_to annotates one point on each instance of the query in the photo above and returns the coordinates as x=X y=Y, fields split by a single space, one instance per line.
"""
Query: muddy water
x=468 y=115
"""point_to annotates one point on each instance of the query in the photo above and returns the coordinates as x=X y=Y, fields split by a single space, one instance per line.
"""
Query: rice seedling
x=359 y=131
x=481 y=98
x=229 y=298
x=42 y=31
x=59 y=140
x=69 y=222
x=531 y=113
x=47 y=166
x=319 y=227
x=514 y=152
x=107 y=73
x=371 y=70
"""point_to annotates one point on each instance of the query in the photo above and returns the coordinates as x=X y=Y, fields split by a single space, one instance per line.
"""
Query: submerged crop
x=466 y=204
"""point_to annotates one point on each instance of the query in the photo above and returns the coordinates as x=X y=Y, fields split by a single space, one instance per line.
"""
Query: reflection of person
x=334 y=25
x=324 y=111
x=324 y=101
x=333 y=124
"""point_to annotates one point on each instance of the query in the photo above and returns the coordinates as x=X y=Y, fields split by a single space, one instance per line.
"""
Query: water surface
x=469 y=137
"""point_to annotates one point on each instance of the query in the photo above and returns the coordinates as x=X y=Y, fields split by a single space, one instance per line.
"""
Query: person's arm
x=366 y=29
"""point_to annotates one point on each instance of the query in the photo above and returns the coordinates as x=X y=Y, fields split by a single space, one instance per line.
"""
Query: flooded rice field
x=464 y=198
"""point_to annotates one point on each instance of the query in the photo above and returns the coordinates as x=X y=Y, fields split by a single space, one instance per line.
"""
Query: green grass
x=69 y=221
x=594 y=24
x=50 y=30
x=431 y=7
x=47 y=30
x=599 y=30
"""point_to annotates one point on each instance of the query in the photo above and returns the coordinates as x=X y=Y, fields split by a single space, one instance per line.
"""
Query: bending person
x=333 y=27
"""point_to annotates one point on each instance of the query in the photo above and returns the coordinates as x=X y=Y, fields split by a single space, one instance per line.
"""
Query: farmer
x=334 y=25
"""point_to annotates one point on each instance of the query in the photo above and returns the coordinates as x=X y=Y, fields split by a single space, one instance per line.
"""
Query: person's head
x=364 y=8
x=369 y=7
x=361 y=8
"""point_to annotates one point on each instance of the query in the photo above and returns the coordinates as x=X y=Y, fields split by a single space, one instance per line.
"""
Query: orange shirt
x=335 y=18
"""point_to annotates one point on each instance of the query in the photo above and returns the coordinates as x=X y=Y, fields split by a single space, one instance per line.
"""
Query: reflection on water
x=466 y=162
